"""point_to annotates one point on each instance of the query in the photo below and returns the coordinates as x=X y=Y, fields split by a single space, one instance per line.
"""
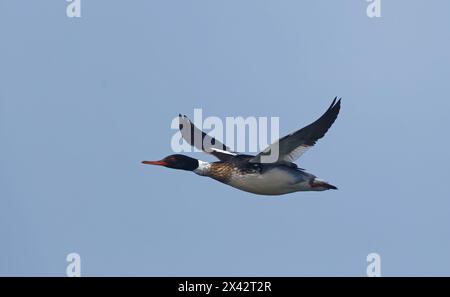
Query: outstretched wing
x=203 y=141
x=292 y=146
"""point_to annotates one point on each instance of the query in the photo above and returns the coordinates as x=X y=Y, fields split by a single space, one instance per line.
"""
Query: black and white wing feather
x=203 y=141
x=292 y=146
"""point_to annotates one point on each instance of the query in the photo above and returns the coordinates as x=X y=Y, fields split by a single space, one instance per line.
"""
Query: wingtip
x=338 y=103
x=333 y=104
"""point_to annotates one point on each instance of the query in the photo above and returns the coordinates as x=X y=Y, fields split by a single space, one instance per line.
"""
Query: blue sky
x=83 y=101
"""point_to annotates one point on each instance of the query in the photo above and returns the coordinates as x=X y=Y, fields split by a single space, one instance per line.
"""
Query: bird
x=261 y=174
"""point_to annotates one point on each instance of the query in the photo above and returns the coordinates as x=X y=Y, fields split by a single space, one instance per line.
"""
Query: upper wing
x=292 y=146
x=203 y=141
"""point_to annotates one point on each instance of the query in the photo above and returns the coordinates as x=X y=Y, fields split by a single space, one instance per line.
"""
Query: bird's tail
x=321 y=184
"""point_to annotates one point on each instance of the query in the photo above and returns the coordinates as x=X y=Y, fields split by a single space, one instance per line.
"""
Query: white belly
x=273 y=182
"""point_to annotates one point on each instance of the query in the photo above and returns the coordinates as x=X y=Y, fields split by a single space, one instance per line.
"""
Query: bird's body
x=260 y=178
x=255 y=174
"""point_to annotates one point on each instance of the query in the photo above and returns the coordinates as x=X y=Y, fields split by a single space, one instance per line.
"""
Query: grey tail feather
x=331 y=187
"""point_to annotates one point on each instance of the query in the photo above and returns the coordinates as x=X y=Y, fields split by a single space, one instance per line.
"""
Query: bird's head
x=176 y=162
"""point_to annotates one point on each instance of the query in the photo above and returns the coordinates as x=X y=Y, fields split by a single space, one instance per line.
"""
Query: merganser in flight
x=252 y=173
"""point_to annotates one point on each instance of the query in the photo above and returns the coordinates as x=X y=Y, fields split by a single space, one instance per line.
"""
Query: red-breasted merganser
x=252 y=173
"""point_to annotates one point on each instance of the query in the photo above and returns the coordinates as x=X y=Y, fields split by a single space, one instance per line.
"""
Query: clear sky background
x=83 y=101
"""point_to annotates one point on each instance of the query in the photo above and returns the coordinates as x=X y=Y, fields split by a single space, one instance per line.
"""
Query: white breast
x=272 y=182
